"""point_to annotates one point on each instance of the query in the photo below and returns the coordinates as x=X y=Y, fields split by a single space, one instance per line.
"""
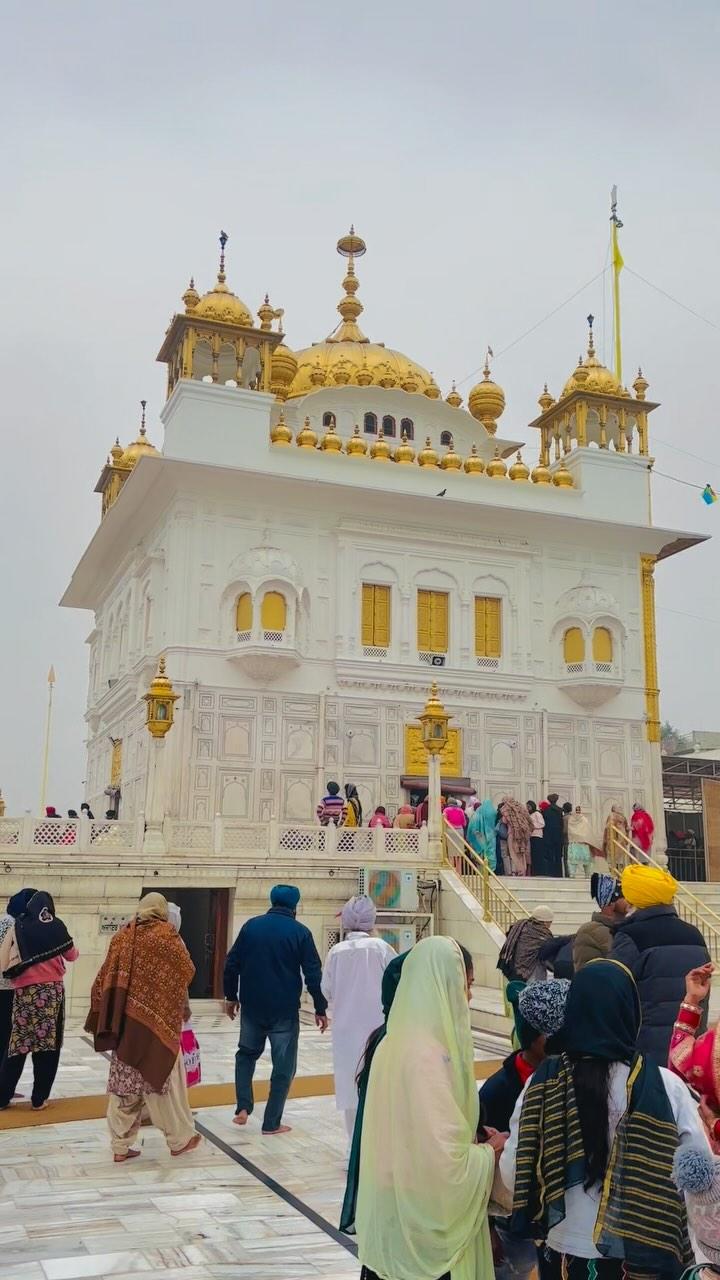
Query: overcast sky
x=473 y=145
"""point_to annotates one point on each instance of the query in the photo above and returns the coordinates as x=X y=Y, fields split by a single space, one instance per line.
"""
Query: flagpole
x=46 y=746
x=617 y=264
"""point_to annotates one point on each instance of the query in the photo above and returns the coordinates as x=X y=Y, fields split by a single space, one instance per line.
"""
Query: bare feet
x=189 y=1146
x=41 y=1106
x=271 y=1133
x=129 y=1155
x=240 y=1118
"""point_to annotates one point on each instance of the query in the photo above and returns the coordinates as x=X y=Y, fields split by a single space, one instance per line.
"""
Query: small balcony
x=589 y=683
x=263 y=654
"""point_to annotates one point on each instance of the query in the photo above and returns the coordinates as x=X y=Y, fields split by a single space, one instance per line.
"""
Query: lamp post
x=160 y=701
x=434 y=722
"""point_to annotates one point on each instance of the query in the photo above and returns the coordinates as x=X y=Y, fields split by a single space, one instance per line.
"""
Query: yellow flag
x=618 y=260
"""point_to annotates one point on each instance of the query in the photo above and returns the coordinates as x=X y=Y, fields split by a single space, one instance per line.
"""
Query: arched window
x=388 y=425
x=573 y=646
x=446 y=439
x=407 y=428
x=244 y=612
x=328 y=419
x=602 y=645
x=370 y=423
x=273 y=613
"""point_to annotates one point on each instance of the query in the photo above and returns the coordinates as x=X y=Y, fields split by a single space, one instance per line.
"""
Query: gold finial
x=380 y=450
x=116 y=452
x=356 y=446
x=364 y=376
x=591 y=342
x=451 y=461
x=404 y=452
x=486 y=400
x=351 y=247
x=142 y=422
x=474 y=465
x=307 y=438
x=281 y=433
x=562 y=477
x=266 y=314
x=191 y=297
x=640 y=385
x=432 y=390
x=427 y=457
x=518 y=470
x=331 y=441
x=541 y=474
x=453 y=397
x=545 y=401
x=223 y=237
x=496 y=467
x=317 y=373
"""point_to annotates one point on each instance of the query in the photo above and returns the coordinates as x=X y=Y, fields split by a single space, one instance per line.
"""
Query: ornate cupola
x=215 y=339
x=121 y=462
x=594 y=408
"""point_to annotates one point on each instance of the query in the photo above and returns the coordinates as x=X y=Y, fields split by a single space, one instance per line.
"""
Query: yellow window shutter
x=602 y=645
x=424 y=635
x=381 y=618
x=480 y=625
x=438 y=621
x=493 y=627
x=574 y=645
x=273 y=615
x=244 y=612
x=367 y=617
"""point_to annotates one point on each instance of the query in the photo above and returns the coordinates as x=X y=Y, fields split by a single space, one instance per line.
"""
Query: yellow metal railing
x=499 y=905
x=624 y=851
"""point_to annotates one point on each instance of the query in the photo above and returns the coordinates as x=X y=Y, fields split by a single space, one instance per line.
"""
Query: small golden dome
x=590 y=375
x=486 y=401
x=451 y=461
x=474 y=464
x=363 y=377
x=282 y=371
x=139 y=447
x=331 y=441
x=281 y=433
x=116 y=452
x=356 y=446
x=545 y=401
x=317 y=373
x=453 y=397
x=307 y=438
x=432 y=390
x=640 y=385
x=404 y=451
x=518 y=470
x=562 y=477
x=427 y=457
x=541 y=474
x=496 y=467
x=266 y=313
x=380 y=450
x=220 y=304
x=191 y=297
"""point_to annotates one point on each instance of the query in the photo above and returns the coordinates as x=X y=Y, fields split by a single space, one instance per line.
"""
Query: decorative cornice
x=460 y=692
x=421 y=533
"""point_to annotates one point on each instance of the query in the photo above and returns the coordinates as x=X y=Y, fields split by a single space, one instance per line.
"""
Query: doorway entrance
x=204 y=930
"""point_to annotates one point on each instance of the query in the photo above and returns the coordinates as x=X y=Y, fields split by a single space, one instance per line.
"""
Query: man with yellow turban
x=659 y=949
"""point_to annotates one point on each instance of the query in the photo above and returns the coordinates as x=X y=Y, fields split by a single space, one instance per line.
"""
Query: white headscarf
x=358 y=915
x=174 y=915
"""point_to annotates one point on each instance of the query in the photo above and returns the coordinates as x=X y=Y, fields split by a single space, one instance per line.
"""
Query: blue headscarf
x=481 y=832
x=285 y=895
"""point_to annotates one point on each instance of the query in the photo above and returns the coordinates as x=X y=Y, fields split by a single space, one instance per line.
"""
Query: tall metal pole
x=46 y=745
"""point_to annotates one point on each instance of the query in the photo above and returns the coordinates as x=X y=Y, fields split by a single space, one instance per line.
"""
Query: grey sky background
x=473 y=145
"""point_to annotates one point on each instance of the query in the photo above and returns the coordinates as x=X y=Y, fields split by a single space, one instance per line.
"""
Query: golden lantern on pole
x=434 y=721
x=160 y=700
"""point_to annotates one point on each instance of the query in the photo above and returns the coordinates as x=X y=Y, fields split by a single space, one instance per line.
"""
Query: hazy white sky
x=473 y=145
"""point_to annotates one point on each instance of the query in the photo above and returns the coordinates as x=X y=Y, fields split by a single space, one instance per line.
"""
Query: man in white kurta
x=351 y=981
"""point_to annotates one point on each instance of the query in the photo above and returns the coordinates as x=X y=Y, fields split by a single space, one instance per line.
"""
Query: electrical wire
x=670 y=297
x=714 y=622
x=687 y=483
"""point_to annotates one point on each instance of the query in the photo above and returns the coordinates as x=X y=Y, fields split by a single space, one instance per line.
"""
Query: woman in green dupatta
x=424 y=1182
x=592 y=1138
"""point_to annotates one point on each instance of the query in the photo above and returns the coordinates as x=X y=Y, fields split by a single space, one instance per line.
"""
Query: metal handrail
x=689 y=906
x=499 y=905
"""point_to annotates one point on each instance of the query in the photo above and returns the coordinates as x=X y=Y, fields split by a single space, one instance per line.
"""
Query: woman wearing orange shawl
x=137 y=1005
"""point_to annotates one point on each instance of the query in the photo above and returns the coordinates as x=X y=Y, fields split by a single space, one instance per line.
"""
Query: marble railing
x=236 y=839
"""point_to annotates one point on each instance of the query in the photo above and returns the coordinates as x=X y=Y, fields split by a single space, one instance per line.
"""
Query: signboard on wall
x=111 y=924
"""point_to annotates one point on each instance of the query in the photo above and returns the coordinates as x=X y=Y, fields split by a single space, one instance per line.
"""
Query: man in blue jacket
x=263 y=977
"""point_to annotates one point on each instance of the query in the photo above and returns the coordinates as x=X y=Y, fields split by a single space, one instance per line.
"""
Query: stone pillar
x=154 y=841
x=434 y=811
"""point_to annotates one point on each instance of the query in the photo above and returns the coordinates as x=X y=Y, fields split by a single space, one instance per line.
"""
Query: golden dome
x=640 y=385
x=219 y=303
x=427 y=457
x=486 y=401
x=266 y=313
x=546 y=401
x=590 y=375
x=496 y=467
x=116 y=453
x=541 y=474
x=474 y=464
x=451 y=461
x=191 y=297
x=346 y=357
x=453 y=397
x=562 y=477
x=518 y=470
x=404 y=452
x=356 y=446
x=432 y=390
x=282 y=371
x=139 y=447
x=281 y=433
x=331 y=441
x=380 y=449
x=307 y=438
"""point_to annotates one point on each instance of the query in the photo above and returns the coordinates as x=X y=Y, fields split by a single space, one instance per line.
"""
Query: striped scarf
x=551 y=1160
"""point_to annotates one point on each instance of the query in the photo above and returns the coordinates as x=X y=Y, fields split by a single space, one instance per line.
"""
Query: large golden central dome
x=347 y=358
x=591 y=375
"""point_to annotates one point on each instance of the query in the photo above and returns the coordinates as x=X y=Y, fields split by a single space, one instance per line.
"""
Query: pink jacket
x=379 y=820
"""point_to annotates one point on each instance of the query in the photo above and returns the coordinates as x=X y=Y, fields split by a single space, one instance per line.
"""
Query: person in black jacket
x=263 y=978
x=553 y=837
x=557 y=955
x=659 y=949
